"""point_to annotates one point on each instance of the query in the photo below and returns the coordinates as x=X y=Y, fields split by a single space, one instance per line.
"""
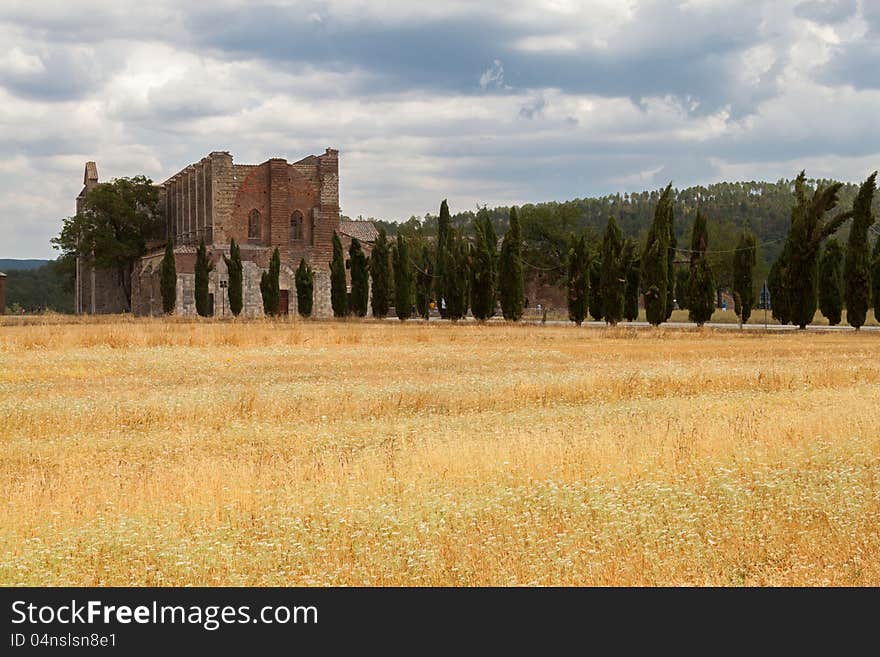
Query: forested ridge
x=763 y=207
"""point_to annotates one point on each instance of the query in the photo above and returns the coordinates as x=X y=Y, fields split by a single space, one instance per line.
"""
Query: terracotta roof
x=365 y=231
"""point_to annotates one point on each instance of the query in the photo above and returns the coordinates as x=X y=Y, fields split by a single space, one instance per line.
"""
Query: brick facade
x=290 y=206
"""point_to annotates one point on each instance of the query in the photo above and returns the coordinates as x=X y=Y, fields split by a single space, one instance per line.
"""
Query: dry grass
x=146 y=452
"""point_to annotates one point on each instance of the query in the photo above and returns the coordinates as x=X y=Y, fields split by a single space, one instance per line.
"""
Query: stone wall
x=252 y=298
x=100 y=290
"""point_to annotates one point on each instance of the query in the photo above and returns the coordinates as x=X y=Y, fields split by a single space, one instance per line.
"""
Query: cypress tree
x=456 y=274
x=304 y=279
x=492 y=246
x=168 y=281
x=701 y=286
x=744 y=259
x=380 y=276
x=269 y=285
x=776 y=286
x=236 y=278
x=203 y=267
x=631 y=299
x=482 y=270
x=578 y=279
x=402 y=279
x=682 y=285
x=511 y=287
x=670 y=259
x=595 y=296
x=655 y=261
x=360 y=292
x=831 y=281
x=875 y=278
x=338 y=285
x=615 y=261
x=857 y=267
x=424 y=282
x=808 y=230
x=443 y=228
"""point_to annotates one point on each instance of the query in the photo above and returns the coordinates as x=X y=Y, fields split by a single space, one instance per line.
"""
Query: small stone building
x=277 y=204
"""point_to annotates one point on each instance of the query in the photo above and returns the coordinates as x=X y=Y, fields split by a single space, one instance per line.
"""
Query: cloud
x=493 y=77
x=498 y=103
x=826 y=11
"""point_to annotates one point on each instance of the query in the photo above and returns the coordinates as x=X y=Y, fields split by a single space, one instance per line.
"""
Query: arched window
x=296 y=226
x=312 y=228
x=254 y=225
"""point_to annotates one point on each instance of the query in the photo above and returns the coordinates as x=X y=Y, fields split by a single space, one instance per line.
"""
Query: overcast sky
x=499 y=103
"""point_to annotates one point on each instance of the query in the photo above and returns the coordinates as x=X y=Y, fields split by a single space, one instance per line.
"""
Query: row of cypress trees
x=459 y=274
x=806 y=276
x=606 y=284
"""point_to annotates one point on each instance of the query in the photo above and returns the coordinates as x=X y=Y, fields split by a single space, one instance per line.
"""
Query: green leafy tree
x=655 y=260
x=338 y=285
x=380 y=275
x=402 y=279
x=616 y=257
x=578 y=279
x=631 y=300
x=40 y=288
x=168 y=279
x=511 y=286
x=112 y=230
x=270 y=285
x=483 y=270
x=236 y=278
x=203 y=268
x=831 y=281
x=744 y=259
x=701 y=288
x=443 y=228
x=304 y=280
x=360 y=292
x=857 y=267
x=875 y=279
x=424 y=282
x=808 y=230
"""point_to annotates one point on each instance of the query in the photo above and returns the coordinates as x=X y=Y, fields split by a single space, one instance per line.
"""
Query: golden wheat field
x=151 y=452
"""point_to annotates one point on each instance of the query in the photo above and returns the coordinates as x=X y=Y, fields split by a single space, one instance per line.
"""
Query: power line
x=528 y=264
x=747 y=248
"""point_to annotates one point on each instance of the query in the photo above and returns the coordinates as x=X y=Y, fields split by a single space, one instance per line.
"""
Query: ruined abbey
x=291 y=206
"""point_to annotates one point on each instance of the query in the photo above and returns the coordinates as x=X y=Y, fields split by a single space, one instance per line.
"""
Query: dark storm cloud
x=663 y=50
x=854 y=64
x=62 y=74
x=826 y=11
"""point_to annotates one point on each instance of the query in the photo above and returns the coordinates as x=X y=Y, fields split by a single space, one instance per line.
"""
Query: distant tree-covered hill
x=45 y=287
x=764 y=207
x=12 y=264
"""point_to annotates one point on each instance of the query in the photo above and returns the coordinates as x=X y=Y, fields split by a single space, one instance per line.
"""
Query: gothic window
x=296 y=226
x=312 y=231
x=254 y=225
